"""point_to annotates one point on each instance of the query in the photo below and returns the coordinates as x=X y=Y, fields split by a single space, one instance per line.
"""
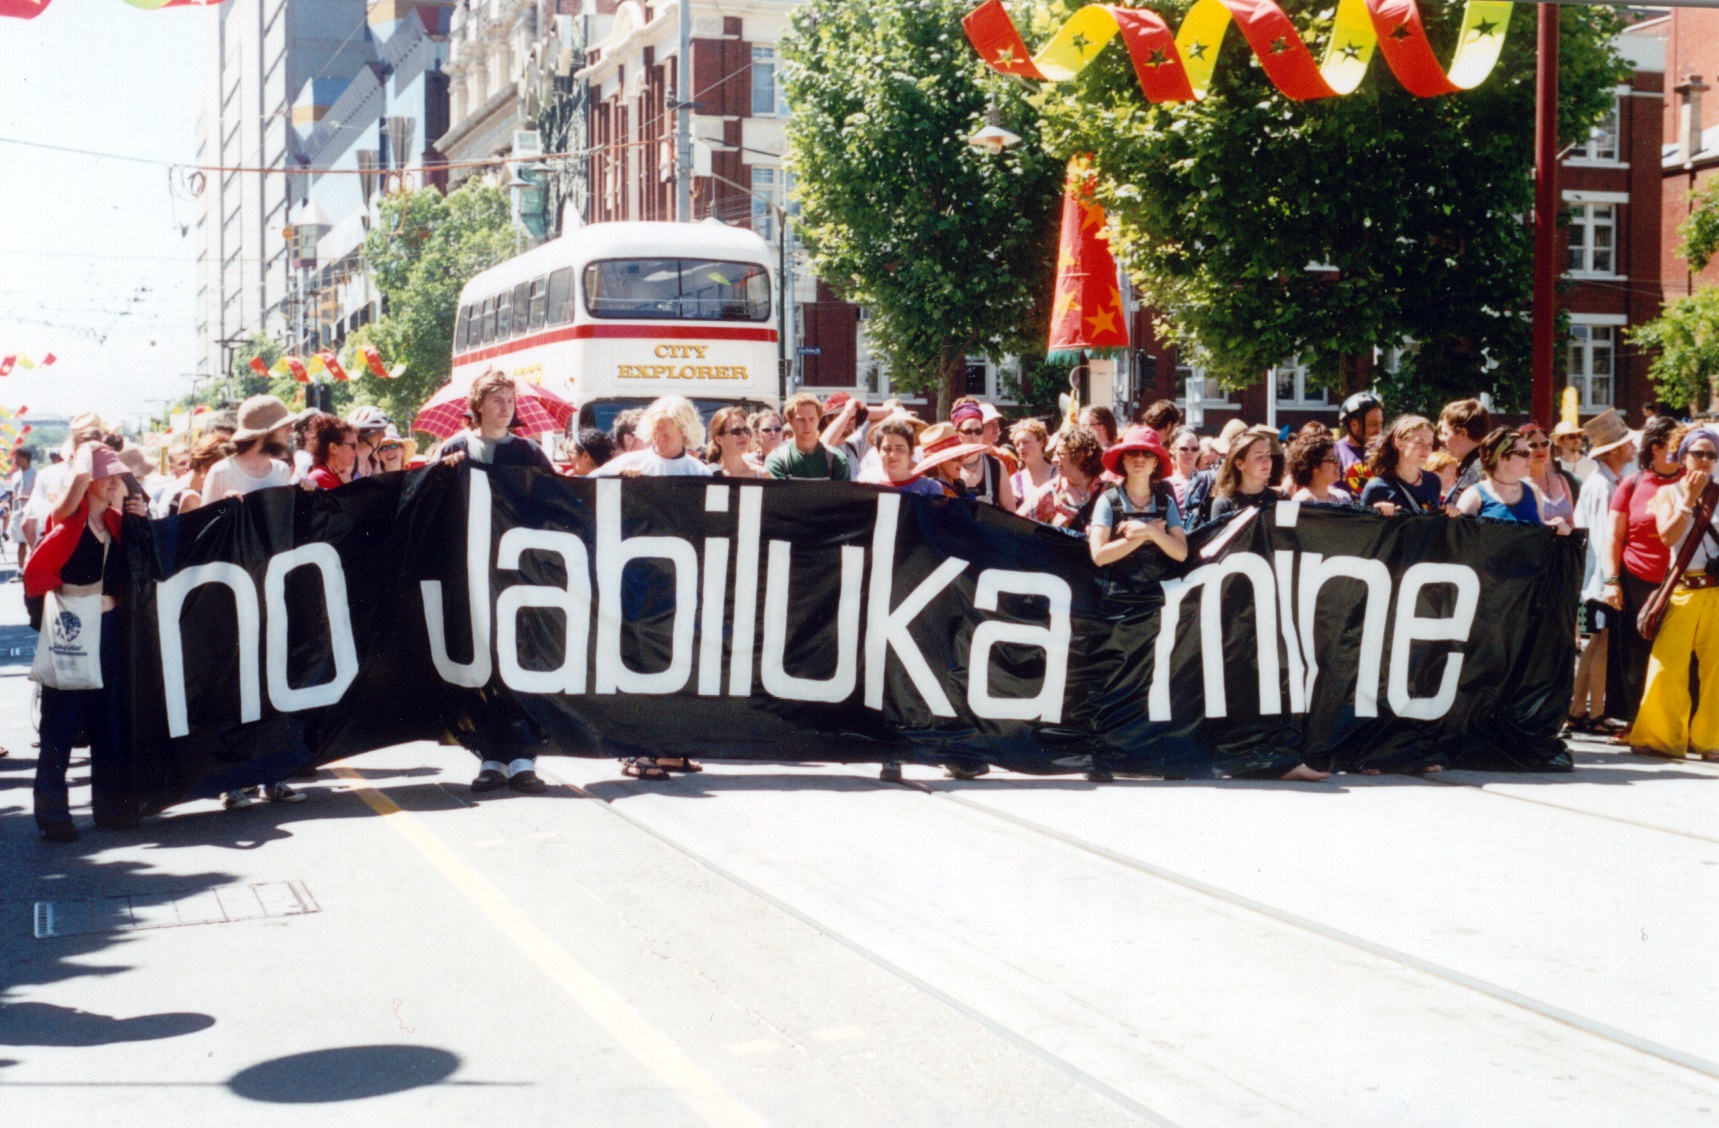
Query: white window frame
x=1581 y=343
x=1591 y=152
x=1583 y=218
x=765 y=59
x=1300 y=400
x=770 y=188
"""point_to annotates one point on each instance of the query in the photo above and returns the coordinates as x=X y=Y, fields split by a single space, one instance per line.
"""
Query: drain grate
x=136 y=912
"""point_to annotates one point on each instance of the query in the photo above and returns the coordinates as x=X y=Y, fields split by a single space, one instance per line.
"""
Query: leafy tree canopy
x=1685 y=335
x=1700 y=232
x=1218 y=207
x=951 y=250
x=423 y=248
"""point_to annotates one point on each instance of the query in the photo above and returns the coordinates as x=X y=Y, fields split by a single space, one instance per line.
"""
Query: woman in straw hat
x=394 y=452
x=260 y=452
x=1613 y=448
x=1688 y=638
x=941 y=453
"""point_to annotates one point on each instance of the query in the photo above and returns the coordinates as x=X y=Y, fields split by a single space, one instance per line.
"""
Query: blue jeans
x=64 y=712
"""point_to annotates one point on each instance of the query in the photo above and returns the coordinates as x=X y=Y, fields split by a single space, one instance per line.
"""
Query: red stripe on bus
x=628 y=332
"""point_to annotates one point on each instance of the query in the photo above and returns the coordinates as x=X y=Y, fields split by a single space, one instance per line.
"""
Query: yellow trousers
x=1689 y=633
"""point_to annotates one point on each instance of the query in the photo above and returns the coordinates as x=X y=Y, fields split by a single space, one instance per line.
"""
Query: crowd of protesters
x=1134 y=493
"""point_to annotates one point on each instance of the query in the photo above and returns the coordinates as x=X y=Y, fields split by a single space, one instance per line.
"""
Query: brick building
x=738 y=142
x=1691 y=124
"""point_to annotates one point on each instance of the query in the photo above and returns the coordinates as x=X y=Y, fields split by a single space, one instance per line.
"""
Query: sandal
x=645 y=770
x=679 y=764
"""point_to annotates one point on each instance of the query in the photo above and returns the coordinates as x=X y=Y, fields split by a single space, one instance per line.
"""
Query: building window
x=765 y=197
x=767 y=97
x=976 y=382
x=1198 y=391
x=1591 y=360
x=1593 y=238
x=1290 y=381
x=1602 y=142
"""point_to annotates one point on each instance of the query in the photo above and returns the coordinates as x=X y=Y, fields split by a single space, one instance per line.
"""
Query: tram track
x=994 y=1026
x=1538 y=1007
x=1449 y=975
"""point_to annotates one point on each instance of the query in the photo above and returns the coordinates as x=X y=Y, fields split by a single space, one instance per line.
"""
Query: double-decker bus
x=612 y=315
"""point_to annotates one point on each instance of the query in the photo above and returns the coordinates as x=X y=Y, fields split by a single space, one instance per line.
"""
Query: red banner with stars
x=1088 y=311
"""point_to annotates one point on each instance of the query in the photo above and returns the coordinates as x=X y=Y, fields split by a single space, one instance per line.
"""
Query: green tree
x=1219 y=207
x=1700 y=232
x=423 y=248
x=951 y=250
x=1685 y=335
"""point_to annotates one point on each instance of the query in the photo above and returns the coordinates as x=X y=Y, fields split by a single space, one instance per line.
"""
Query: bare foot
x=1431 y=768
x=1303 y=772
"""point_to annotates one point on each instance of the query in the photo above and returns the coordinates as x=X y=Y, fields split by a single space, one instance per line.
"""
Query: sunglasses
x=776 y=430
x=1542 y=444
x=971 y=431
x=1514 y=452
x=390 y=448
x=738 y=433
x=1704 y=455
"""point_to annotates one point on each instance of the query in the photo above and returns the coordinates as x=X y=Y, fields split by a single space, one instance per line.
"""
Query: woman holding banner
x=1689 y=633
x=1253 y=463
x=1636 y=560
x=1142 y=510
x=75 y=561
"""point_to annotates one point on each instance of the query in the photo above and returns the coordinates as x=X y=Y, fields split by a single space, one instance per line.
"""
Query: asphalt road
x=776 y=944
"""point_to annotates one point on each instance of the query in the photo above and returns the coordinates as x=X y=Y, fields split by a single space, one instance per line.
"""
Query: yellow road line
x=654 y=1049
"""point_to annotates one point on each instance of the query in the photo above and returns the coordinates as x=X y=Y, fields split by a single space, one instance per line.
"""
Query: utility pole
x=683 y=118
x=1545 y=214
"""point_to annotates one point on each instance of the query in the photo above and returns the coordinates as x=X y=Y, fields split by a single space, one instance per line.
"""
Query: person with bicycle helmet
x=1360 y=420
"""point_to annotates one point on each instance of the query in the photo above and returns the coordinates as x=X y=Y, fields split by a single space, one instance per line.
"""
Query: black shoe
x=954 y=771
x=890 y=773
x=1099 y=775
x=527 y=783
x=60 y=832
x=489 y=780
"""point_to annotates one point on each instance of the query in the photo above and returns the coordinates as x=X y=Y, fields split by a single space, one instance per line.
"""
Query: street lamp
x=992 y=138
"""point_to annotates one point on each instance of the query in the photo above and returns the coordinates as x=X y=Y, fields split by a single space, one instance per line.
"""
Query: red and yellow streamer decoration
x=30 y=9
x=1179 y=67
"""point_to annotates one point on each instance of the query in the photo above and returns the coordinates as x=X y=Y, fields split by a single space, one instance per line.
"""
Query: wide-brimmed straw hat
x=1567 y=427
x=1228 y=435
x=392 y=435
x=940 y=443
x=260 y=415
x=1138 y=440
x=1606 y=431
x=901 y=415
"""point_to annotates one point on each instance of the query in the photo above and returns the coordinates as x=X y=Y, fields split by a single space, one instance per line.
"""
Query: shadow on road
x=350 y=1073
x=42 y=1024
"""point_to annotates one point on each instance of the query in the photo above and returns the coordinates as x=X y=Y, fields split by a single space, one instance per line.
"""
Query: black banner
x=824 y=621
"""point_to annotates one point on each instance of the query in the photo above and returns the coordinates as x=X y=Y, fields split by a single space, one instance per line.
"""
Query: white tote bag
x=68 y=651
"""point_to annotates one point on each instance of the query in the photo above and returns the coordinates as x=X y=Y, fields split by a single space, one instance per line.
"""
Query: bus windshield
x=677 y=289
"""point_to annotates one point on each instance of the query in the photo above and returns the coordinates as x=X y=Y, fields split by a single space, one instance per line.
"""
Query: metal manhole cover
x=135 y=912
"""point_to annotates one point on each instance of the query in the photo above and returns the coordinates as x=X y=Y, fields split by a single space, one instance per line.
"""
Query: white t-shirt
x=653 y=465
x=227 y=477
x=51 y=485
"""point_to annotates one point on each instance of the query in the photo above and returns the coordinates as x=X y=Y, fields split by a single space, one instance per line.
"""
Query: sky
x=94 y=265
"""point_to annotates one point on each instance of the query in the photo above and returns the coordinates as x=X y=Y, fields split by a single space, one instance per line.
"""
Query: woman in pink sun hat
x=1142 y=510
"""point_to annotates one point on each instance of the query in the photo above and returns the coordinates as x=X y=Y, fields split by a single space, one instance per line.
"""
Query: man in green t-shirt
x=806 y=456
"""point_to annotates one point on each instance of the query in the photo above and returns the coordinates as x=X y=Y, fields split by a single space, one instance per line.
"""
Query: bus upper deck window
x=561 y=296
x=521 y=307
x=462 y=327
x=488 y=320
x=504 y=315
x=539 y=303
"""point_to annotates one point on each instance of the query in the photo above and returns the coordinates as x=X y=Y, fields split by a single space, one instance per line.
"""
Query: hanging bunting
x=6 y=363
x=1087 y=314
x=257 y=366
x=30 y=9
x=26 y=363
x=331 y=365
x=1179 y=67
x=297 y=368
x=373 y=361
x=314 y=365
x=281 y=367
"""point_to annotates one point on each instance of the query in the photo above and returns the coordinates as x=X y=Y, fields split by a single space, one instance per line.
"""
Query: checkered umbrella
x=539 y=410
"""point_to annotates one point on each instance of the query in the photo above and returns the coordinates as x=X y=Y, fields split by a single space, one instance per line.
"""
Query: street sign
x=809 y=350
